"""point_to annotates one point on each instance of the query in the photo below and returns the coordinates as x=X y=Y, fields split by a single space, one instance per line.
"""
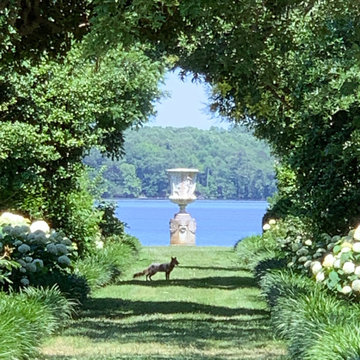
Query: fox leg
x=149 y=275
x=167 y=275
x=152 y=272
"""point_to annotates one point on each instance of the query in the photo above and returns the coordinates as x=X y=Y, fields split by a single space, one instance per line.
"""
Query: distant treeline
x=232 y=163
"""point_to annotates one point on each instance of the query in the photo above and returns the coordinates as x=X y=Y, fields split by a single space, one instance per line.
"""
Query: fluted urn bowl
x=183 y=184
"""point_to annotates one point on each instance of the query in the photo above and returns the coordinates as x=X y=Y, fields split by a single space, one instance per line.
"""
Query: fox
x=154 y=268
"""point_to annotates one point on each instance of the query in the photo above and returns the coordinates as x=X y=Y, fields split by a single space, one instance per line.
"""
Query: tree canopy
x=71 y=108
x=29 y=28
x=288 y=69
x=57 y=102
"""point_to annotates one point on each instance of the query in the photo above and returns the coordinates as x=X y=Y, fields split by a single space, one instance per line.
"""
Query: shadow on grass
x=106 y=319
x=167 y=357
x=218 y=282
x=214 y=268
x=186 y=325
x=142 y=357
x=112 y=308
x=182 y=331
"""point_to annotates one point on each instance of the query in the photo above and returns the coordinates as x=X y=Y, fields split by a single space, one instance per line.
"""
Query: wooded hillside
x=232 y=163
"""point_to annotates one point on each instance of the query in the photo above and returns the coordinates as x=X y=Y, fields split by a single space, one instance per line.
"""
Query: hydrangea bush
x=339 y=268
x=34 y=247
x=295 y=241
x=333 y=261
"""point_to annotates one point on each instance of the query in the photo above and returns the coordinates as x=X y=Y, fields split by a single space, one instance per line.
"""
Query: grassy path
x=210 y=309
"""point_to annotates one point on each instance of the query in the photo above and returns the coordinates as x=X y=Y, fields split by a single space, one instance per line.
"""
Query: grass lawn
x=210 y=309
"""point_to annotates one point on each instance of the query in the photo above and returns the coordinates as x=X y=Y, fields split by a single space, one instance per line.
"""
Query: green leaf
x=334 y=277
x=346 y=256
x=337 y=249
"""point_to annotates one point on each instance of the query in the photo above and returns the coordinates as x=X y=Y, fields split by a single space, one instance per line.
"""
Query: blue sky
x=187 y=105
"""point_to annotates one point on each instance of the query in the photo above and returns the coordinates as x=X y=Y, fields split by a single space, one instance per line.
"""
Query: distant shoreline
x=167 y=199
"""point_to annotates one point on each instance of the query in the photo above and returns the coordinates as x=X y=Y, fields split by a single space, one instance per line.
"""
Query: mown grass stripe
x=210 y=309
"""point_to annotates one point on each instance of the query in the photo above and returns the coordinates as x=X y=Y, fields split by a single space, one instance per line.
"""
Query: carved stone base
x=182 y=229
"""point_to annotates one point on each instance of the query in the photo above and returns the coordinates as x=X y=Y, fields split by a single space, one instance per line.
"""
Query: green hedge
x=27 y=317
x=314 y=322
x=108 y=263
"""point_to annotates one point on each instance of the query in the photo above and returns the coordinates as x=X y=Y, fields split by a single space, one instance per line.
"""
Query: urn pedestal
x=182 y=226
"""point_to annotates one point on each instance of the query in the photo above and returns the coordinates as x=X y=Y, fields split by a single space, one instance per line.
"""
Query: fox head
x=174 y=261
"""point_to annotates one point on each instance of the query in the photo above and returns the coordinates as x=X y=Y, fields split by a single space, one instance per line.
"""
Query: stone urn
x=182 y=226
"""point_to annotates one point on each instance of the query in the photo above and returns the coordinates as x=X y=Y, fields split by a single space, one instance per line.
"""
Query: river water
x=219 y=223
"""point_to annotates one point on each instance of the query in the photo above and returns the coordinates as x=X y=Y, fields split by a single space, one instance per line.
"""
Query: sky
x=187 y=105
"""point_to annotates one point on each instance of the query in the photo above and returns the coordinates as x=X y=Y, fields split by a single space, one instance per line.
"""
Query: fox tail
x=141 y=273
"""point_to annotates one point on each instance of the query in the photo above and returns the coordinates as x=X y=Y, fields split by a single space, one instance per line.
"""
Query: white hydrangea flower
x=13 y=219
x=308 y=242
x=337 y=263
x=345 y=249
x=348 y=267
x=99 y=244
x=320 y=276
x=266 y=227
x=356 y=235
x=316 y=267
x=28 y=259
x=22 y=270
x=356 y=247
x=272 y=222
x=328 y=261
x=40 y=225
x=51 y=248
x=17 y=243
x=355 y=285
x=307 y=263
x=64 y=260
x=25 y=281
x=346 y=290
x=24 y=248
x=61 y=248
x=357 y=271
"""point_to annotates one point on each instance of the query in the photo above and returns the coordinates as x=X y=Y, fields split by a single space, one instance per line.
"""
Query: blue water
x=219 y=223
